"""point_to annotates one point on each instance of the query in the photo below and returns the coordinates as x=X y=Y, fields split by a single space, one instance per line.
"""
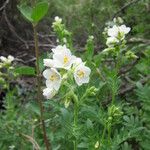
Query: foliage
x=111 y=111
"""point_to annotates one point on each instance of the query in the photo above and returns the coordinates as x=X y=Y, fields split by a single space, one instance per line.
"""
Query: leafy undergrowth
x=91 y=100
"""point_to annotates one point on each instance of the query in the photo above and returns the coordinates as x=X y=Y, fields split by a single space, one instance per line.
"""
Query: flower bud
x=114 y=111
x=92 y=91
x=130 y=55
x=67 y=102
x=58 y=19
x=97 y=144
x=35 y=120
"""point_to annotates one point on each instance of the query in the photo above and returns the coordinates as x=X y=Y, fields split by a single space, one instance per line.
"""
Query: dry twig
x=125 y=7
x=12 y=29
x=4 y=5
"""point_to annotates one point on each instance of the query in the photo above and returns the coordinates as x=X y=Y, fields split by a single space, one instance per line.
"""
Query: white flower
x=10 y=58
x=63 y=58
x=60 y=49
x=58 y=19
x=48 y=63
x=124 y=30
x=7 y=60
x=81 y=74
x=53 y=78
x=3 y=59
x=118 y=31
x=113 y=32
x=111 y=41
x=49 y=93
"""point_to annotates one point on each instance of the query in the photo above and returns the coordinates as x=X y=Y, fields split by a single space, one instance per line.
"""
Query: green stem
x=39 y=94
x=113 y=97
x=109 y=134
x=75 y=121
x=103 y=134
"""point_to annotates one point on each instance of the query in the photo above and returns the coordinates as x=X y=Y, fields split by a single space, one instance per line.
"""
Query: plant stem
x=39 y=94
x=103 y=134
x=75 y=122
x=109 y=135
x=113 y=97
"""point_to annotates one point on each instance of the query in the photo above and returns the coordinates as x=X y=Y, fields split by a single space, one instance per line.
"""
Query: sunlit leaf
x=39 y=11
x=25 y=70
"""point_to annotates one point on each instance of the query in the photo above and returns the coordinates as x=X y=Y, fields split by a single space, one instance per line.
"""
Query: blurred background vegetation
x=82 y=17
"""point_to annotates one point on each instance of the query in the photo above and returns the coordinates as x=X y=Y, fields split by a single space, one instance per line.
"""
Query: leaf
x=89 y=124
x=41 y=64
x=83 y=145
x=89 y=48
x=26 y=11
x=35 y=108
x=35 y=14
x=25 y=70
x=39 y=11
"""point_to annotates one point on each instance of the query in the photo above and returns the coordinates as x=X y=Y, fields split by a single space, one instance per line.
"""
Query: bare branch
x=4 y=5
x=12 y=29
x=139 y=40
x=124 y=7
x=132 y=87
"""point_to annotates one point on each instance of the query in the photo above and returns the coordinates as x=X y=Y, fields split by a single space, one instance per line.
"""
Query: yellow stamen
x=80 y=73
x=66 y=59
x=53 y=77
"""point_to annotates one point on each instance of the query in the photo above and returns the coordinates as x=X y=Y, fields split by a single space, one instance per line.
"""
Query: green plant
x=93 y=99
x=34 y=14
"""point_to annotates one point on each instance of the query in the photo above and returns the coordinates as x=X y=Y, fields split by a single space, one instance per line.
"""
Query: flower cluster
x=6 y=60
x=63 y=35
x=116 y=34
x=6 y=70
x=63 y=59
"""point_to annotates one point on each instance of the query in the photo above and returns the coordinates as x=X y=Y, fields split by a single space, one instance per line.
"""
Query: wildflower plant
x=65 y=69
x=63 y=35
x=78 y=97
x=7 y=71
x=115 y=35
x=64 y=60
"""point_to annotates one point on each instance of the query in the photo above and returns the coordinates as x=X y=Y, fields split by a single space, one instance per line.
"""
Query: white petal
x=11 y=58
x=78 y=81
x=85 y=80
x=58 y=59
x=124 y=29
x=77 y=61
x=87 y=71
x=111 y=41
x=54 y=84
x=49 y=93
x=3 y=59
x=48 y=62
x=61 y=49
x=113 y=32
x=47 y=73
x=58 y=19
x=49 y=84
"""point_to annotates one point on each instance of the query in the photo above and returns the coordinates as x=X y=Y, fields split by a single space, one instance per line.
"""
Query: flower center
x=80 y=73
x=53 y=77
x=66 y=59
